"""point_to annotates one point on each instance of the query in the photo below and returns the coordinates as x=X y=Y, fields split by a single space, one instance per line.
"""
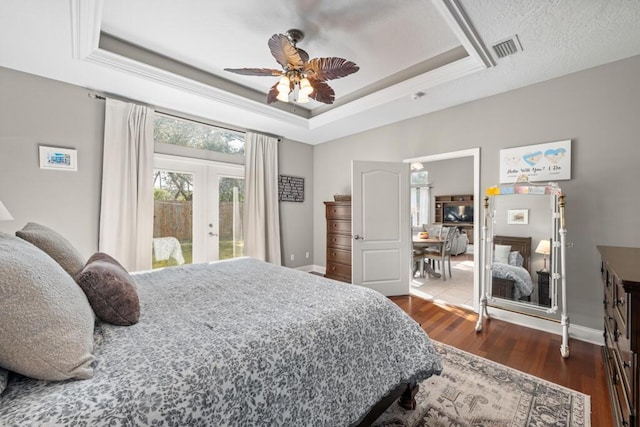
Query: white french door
x=199 y=204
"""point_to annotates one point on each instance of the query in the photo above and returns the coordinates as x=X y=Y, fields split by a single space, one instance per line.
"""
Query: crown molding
x=86 y=19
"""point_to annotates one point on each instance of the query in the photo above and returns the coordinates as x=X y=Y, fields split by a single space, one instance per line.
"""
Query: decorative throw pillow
x=4 y=378
x=110 y=289
x=516 y=259
x=46 y=322
x=54 y=244
x=501 y=253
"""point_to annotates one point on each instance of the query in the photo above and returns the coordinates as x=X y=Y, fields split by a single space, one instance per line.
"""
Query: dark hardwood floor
x=524 y=349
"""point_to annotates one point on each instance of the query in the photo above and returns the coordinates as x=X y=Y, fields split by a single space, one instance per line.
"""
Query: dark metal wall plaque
x=291 y=188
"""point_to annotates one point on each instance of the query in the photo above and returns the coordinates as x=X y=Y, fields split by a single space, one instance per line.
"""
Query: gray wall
x=35 y=110
x=597 y=109
x=296 y=218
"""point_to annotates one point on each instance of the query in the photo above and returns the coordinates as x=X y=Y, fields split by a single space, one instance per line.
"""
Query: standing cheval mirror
x=523 y=238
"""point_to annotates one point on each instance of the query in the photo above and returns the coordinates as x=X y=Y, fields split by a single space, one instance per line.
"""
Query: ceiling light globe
x=282 y=96
x=305 y=88
x=284 y=85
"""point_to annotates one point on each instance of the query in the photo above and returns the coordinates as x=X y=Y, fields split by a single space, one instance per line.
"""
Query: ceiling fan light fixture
x=305 y=77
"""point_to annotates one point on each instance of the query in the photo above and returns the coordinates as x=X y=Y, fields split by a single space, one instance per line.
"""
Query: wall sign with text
x=291 y=188
x=541 y=162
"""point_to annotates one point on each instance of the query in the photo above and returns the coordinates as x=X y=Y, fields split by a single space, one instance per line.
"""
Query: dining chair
x=444 y=254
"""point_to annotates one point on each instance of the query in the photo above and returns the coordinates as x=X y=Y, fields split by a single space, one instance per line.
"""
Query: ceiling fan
x=301 y=77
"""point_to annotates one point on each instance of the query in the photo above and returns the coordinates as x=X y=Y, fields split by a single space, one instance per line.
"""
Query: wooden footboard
x=504 y=288
x=405 y=393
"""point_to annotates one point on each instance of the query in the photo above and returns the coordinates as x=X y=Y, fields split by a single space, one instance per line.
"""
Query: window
x=188 y=133
x=420 y=195
x=198 y=192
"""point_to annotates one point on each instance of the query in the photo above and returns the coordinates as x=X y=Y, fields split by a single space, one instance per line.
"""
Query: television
x=457 y=213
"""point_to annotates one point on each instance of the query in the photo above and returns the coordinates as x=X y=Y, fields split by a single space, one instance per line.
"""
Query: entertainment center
x=456 y=210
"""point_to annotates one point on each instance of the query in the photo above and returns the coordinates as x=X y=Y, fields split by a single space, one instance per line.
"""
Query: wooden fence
x=175 y=218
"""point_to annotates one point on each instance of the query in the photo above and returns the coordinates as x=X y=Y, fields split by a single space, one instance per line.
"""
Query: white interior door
x=380 y=226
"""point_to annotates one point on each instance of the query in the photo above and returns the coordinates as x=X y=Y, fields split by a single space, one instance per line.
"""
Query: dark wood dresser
x=338 y=216
x=621 y=279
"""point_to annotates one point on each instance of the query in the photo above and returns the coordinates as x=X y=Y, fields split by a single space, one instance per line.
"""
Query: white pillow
x=501 y=253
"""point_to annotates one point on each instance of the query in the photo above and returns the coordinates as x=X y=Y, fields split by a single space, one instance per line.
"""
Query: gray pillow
x=516 y=259
x=110 y=289
x=46 y=322
x=4 y=378
x=54 y=244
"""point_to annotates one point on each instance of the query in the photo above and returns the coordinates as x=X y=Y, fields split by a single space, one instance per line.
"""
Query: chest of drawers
x=338 y=216
x=620 y=272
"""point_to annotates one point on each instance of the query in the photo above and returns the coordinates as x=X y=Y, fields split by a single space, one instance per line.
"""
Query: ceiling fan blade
x=284 y=52
x=322 y=92
x=255 y=71
x=273 y=93
x=329 y=68
x=303 y=55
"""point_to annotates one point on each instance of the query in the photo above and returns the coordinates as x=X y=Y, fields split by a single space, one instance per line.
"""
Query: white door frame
x=205 y=209
x=477 y=208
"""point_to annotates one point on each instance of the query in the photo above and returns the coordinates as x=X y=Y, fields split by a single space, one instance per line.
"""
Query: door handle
x=212 y=234
x=356 y=237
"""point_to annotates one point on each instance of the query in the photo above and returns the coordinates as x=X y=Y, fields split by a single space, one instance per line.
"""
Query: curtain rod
x=102 y=98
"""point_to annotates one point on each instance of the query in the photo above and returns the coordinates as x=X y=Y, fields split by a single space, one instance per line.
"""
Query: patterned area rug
x=473 y=391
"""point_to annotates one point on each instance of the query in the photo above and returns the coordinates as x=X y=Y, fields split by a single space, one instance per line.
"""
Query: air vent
x=507 y=47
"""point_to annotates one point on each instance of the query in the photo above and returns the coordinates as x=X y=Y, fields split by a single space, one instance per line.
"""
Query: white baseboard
x=310 y=268
x=581 y=333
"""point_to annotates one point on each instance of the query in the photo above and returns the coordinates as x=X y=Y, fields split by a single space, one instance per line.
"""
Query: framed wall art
x=291 y=188
x=541 y=162
x=64 y=159
x=518 y=216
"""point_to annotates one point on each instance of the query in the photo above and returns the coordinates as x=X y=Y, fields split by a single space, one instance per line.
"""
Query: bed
x=512 y=279
x=237 y=342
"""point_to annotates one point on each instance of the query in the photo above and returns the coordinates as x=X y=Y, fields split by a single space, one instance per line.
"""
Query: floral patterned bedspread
x=236 y=343
x=521 y=277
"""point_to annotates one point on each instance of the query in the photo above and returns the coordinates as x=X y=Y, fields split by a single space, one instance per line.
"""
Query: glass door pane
x=172 y=218
x=230 y=205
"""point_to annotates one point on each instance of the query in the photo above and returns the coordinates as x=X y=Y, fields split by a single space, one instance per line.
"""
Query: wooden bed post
x=408 y=398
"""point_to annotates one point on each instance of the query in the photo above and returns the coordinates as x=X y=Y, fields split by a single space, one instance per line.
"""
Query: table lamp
x=544 y=248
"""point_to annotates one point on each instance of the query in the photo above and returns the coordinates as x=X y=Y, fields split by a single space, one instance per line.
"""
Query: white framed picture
x=65 y=159
x=536 y=163
x=518 y=216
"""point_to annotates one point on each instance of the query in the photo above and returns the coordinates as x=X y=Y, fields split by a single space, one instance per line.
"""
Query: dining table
x=429 y=242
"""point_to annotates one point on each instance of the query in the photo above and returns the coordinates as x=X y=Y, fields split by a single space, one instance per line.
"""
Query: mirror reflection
x=521 y=224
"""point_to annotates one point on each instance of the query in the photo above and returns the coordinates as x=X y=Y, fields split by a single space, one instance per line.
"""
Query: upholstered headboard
x=520 y=244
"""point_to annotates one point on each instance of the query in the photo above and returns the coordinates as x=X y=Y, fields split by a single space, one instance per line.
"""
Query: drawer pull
x=626 y=364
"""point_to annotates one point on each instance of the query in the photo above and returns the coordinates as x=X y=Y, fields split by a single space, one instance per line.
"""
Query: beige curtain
x=126 y=210
x=261 y=209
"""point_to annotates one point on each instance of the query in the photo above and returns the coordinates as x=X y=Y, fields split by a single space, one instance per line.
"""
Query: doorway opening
x=462 y=288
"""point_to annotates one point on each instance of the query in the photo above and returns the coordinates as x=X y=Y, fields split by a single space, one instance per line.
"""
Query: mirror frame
x=557 y=275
